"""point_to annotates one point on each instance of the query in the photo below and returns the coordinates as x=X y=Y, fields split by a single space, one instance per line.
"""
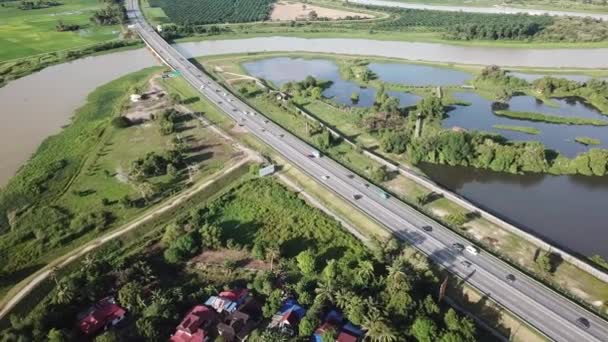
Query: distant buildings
x=104 y=314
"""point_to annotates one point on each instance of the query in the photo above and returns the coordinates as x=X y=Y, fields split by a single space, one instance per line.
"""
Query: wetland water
x=566 y=209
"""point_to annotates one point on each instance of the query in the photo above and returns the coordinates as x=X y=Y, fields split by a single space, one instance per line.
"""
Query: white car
x=472 y=250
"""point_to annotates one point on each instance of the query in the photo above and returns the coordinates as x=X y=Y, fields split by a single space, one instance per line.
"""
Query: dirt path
x=64 y=260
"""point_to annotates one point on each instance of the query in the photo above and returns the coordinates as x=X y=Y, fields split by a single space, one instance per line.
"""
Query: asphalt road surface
x=541 y=307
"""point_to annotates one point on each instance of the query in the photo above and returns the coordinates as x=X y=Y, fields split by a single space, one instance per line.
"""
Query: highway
x=544 y=309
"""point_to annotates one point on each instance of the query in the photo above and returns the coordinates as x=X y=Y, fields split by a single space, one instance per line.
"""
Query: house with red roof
x=193 y=327
x=104 y=314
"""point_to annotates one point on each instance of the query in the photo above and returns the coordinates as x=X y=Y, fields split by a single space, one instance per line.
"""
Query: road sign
x=268 y=170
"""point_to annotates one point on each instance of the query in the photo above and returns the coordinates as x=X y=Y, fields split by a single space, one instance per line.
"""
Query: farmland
x=214 y=11
x=24 y=33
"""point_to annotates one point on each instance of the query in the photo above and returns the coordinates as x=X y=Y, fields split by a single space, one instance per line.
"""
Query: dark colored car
x=583 y=322
x=427 y=228
x=458 y=246
x=510 y=278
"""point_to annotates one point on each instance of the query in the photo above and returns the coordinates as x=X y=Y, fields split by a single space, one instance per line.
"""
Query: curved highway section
x=547 y=311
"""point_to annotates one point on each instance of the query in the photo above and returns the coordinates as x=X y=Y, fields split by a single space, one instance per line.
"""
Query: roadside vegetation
x=83 y=181
x=389 y=290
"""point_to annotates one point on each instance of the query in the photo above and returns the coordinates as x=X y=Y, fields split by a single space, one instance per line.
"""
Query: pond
x=419 y=75
x=568 y=211
x=479 y=116
x=281 y=70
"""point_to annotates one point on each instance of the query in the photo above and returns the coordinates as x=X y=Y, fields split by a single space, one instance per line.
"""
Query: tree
x=308 y=325
x=130 y=297
x=456 y=219
x=378 y=174
x=272 y=253
x=182 y=248
x=364 y=272
x=147 y=328
x=65 y=292
x=316 y=93
x=211 y=236
x=172 y=232
x=430 y=107
x=544 y=262
x=394 y=142
x=377 y=330
x=108 y=336
x=272 y=303
x=424 y=329
x=306 y=262
x=56 y=335
x=171 y=171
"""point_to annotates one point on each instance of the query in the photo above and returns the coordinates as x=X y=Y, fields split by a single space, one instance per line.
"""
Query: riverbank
x=80 y=182
x=11 y=70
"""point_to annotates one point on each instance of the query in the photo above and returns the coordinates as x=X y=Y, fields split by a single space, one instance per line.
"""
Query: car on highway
x=472 y=250
x=326 y=177
x=466 y=264
x=583 y=322
x=427 y=229
x=357 y=196
x=458 y=246
x=510 y=278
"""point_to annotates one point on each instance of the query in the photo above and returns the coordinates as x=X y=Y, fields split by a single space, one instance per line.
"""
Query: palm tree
x=325 y=292
x=343 y=298
x=64 y=293
x=53 y=274
x=271 y=254
x=376 y=329
x=365 y=271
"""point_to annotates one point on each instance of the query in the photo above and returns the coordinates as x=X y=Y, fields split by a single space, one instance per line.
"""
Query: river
x=38 y=105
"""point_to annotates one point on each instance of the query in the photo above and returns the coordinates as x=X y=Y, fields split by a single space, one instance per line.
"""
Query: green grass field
x=32 y=32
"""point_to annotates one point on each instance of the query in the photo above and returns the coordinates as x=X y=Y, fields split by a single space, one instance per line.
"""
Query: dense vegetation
x=466 y=26
x=38 y=4
x=215 y=11
x=389 y=290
